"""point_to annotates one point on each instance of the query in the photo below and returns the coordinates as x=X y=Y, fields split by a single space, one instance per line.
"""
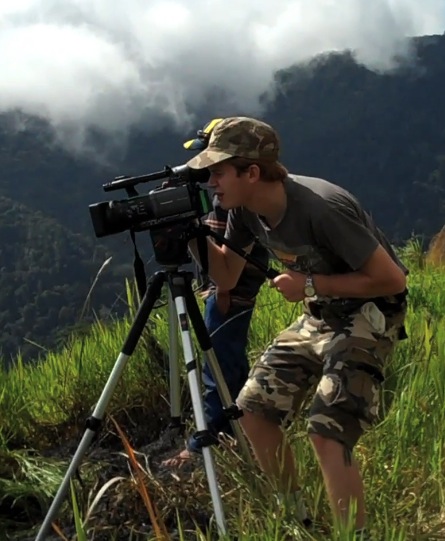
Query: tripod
x=182 y=301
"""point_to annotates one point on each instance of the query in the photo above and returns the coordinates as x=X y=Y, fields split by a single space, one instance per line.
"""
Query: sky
x=110 y=64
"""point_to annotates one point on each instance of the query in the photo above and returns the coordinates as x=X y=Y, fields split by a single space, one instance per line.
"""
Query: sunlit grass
x=403 y=458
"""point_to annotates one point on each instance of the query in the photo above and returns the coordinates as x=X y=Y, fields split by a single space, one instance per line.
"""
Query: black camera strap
x=139 y=270
x=203 y=251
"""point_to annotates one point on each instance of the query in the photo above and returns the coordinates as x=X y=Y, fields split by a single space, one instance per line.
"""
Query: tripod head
x=170 y=243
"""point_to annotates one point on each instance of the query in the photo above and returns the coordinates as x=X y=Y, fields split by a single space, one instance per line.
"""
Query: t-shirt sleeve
x=237 y=231
x=345 y=234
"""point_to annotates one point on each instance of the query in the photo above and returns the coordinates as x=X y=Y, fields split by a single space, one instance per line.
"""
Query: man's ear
x=254 y=172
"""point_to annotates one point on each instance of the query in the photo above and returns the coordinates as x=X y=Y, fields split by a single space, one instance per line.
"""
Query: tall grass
x=43 y=407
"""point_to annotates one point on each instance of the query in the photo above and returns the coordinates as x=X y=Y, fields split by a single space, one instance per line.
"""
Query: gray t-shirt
x=323 y=231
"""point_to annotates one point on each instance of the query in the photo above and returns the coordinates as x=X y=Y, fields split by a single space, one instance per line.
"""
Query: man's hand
x=290 y=284
x=222 y=301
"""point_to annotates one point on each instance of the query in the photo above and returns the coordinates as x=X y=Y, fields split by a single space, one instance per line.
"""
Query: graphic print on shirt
x=306 y=259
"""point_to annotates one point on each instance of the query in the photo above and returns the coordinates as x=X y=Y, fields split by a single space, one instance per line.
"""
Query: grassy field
x=43 y=409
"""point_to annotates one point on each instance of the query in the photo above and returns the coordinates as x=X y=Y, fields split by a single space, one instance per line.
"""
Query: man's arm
x=347 y=231
x=225 y=266
x=380 y=276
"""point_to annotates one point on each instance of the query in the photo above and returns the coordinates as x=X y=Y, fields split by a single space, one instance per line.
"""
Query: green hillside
x=46 y=273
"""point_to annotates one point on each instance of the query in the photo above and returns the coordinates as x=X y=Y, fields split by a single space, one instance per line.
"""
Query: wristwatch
x=309 y=289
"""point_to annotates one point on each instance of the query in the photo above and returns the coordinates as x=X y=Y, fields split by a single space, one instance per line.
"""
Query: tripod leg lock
x=205 y=438
x=93 y=423
x=233 y=412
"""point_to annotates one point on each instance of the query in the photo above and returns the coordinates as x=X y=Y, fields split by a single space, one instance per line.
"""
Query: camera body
x=179 y=199
x=169 y=211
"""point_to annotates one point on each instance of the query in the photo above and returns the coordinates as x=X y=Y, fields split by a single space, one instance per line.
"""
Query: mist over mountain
x=380 y=135
x=110 y=66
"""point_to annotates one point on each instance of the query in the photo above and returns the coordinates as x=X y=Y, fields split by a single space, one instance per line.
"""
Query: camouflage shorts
x=345 y=356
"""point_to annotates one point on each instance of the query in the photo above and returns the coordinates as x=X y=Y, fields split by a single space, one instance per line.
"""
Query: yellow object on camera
x=201 y=142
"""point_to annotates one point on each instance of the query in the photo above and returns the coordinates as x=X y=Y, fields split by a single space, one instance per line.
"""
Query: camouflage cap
x=238 y=136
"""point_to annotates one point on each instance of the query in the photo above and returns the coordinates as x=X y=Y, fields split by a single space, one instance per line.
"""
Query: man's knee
x=323 y=445
x=248 y=418
x=333 y=425
x=253 y=422
x=327 y=448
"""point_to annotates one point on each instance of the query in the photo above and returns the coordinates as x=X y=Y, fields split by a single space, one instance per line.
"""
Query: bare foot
x=178 y=460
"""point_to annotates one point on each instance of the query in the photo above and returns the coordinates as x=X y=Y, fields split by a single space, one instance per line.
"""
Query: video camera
x=169 y=211
x=179 y=198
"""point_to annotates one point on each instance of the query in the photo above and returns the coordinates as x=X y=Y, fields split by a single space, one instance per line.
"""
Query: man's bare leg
x=276 y=459
x=272 y=450
x=343 y=482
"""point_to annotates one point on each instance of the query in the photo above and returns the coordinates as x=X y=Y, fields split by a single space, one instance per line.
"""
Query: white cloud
x=111 y=64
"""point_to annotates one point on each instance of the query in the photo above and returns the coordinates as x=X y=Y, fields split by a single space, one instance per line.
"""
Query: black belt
x=345 y=307
x=385 y=305
x=349 y=306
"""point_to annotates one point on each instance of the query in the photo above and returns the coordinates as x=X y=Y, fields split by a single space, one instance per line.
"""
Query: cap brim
x=207 y=158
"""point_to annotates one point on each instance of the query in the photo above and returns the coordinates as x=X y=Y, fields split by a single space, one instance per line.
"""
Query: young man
x=341 y=266
x=227 y=316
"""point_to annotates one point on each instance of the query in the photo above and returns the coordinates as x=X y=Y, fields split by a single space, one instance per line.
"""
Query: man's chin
x=224 y=204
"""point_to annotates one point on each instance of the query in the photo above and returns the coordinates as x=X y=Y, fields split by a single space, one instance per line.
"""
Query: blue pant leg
x=229 y=334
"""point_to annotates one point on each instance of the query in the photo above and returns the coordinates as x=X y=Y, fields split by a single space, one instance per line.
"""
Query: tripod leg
x=205 y=344
x=175 y=390
x=177 y=284
x=93 y=423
